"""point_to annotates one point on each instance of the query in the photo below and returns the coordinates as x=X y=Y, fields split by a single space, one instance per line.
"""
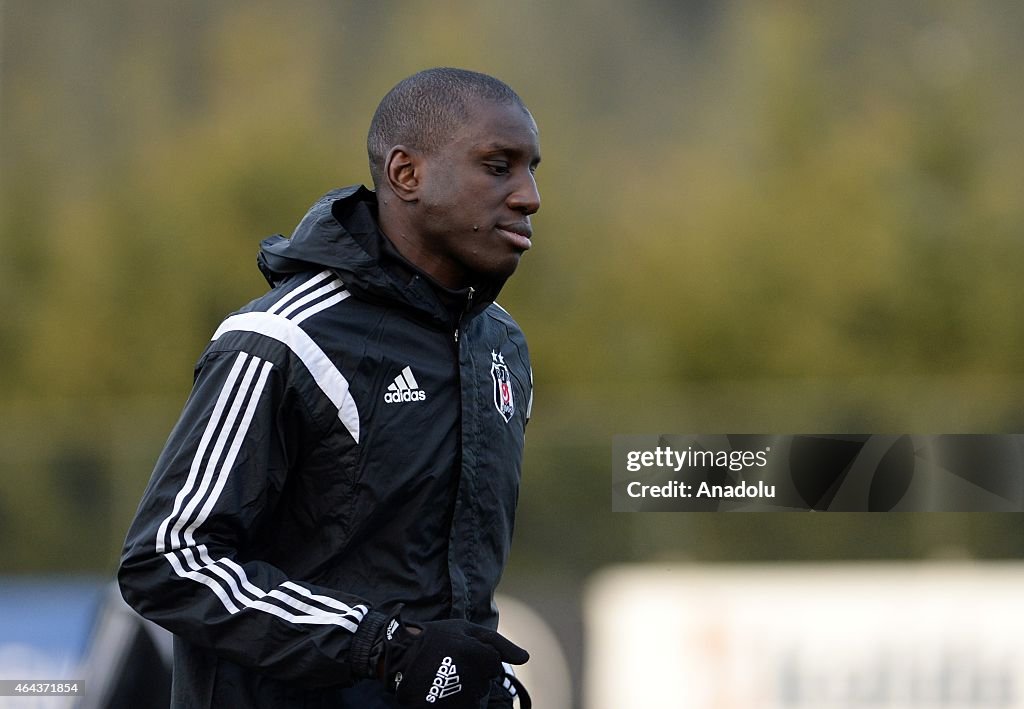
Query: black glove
x=447 y=664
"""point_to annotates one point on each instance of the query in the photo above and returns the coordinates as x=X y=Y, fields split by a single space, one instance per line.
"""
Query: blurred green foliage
x=758 y=216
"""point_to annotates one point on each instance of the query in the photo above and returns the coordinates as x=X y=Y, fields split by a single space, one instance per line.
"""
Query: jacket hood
x=340 y=232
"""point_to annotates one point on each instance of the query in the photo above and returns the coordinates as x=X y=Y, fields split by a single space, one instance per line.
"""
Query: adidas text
x=404 y=388
x=397 y=397
x=446 y=682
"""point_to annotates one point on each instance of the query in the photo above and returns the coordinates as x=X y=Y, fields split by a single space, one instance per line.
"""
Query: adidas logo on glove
x=449 y=663
x=446 y=682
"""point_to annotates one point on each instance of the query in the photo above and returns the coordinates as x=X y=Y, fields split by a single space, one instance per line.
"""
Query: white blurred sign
x=812 y=636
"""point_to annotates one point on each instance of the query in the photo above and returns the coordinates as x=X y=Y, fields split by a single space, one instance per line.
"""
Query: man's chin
x=503 y=270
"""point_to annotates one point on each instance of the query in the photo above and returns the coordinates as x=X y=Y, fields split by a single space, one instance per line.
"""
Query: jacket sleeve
x=188 y=562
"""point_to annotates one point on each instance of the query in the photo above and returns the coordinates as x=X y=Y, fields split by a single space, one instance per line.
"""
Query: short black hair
x=423 y=111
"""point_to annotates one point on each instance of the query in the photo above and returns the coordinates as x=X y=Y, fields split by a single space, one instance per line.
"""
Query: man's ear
x=402 y=170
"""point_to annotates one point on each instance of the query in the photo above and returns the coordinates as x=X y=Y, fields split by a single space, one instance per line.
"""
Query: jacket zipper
x=458 y=470
x=469 y=304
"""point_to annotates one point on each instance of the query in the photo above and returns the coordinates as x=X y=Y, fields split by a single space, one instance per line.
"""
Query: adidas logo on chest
x=404 y=389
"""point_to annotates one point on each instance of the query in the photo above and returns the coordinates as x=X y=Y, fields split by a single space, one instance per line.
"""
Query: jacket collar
x=340 y=232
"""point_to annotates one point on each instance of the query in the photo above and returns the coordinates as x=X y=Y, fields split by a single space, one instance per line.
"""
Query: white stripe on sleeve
x=325 y=374
x=298 y=292
x=211 y=429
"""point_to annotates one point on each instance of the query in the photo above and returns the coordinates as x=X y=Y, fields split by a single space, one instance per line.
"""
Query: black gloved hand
x=447 y=664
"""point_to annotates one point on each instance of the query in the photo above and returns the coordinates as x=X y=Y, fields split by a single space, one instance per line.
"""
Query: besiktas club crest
x=503 y=400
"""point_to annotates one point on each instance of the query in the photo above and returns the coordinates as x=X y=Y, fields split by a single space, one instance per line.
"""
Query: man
x=330 y=516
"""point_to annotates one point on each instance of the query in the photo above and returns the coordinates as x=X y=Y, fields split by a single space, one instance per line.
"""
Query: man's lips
x=518 y=234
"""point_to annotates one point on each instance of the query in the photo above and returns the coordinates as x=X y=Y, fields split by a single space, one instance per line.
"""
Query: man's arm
x=214 y=485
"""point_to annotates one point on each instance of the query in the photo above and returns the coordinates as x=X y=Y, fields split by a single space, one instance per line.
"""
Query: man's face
x=477 y=194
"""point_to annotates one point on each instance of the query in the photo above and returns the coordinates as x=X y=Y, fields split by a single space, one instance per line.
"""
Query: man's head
x=452 y=154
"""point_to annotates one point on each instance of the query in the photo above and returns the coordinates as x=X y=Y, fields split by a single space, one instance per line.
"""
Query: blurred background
x=766 y=217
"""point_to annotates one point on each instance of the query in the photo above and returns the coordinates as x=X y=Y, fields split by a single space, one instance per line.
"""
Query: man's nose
x=526 y=197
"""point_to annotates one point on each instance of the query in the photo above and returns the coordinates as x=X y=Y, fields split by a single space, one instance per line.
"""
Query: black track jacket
x=353 y=441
